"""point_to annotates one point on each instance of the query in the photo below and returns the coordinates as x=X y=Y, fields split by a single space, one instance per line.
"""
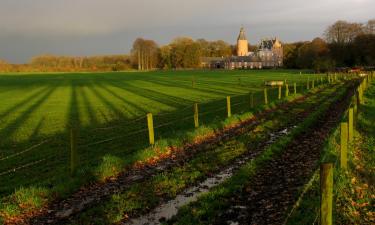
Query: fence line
x=113 y=138
x=343 y=141
x=132 y=133
x=22 y=167
x=24 y=151
x=127 y=124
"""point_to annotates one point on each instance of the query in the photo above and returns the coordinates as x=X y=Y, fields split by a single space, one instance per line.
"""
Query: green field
x=109 y=110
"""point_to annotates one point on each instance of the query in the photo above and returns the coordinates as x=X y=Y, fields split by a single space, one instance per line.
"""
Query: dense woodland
x=345 y=44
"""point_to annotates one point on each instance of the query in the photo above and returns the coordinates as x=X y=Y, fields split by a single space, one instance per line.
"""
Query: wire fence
x=339 y=161
x=133 y=133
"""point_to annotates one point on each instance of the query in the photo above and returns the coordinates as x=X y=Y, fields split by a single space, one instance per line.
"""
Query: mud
x=274 y=189
x=60 y=211
x=169 y=209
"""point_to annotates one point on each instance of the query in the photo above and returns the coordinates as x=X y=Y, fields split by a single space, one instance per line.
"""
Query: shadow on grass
x=54 y=172
x=12 y=127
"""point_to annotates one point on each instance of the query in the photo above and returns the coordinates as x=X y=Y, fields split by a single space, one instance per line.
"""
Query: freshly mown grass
x=143 y=196
x=353 y=189
x=41 y=108
x=208 y=206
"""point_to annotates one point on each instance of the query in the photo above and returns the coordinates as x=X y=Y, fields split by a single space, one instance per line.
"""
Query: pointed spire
x=242 y=35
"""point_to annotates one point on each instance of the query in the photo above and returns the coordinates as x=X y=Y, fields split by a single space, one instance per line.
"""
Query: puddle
x=167 y=210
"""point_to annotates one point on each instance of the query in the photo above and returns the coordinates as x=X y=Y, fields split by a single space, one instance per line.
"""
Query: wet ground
x=169 y=209
x=274 y=188
x=59 y=211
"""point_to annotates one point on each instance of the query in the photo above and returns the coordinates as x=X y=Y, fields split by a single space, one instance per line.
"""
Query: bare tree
x=343 y=32
x=370 y=27
x=145 y=53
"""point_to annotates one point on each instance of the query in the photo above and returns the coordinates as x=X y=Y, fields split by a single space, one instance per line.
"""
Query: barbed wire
x=309 y=185
x=125 y=135
x=13 y=170
x=179 y=110
x=114 y=138
x=209 y=112
x=140 y=118
x=300 y=197
x=24 y=151
x=117 y=126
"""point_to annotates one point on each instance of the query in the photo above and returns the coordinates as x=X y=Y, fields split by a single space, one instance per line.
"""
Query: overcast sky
x=96 y=27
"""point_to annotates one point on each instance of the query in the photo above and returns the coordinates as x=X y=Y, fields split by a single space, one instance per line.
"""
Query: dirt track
x=88 y=196
x=274 y=188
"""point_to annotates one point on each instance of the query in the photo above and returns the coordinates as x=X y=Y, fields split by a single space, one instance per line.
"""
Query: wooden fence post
x=196 y=115
x=229 y=110
x=279 y=92
x=286 y=90
x=252 y=100
x=265 y=96
x=344 y=146
x=73 y=151
x=360 y=93
x=351 y=125
x=308 y=84
x=295 y=89
x=355 y=107
x=150 y=124
x=326 y=192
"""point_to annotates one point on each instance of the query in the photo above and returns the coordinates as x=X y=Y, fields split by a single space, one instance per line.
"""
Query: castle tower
x=242 y=44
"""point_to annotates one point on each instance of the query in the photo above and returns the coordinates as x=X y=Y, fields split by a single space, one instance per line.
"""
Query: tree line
x=182 y=52
x=52 y=63
x=345 y=44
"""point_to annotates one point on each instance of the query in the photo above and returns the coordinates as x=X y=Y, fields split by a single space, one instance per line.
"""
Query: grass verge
x=354 y=197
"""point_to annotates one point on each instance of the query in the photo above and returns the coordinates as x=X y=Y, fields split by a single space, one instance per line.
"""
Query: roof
x=211 y=59
x=242 y=35
x=267 y=44
x=230 y=59
x=244 y=59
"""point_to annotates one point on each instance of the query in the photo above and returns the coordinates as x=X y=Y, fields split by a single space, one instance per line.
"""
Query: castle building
x=242 y=44
x=269 y=54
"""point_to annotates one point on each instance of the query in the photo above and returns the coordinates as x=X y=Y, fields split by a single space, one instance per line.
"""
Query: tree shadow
x=88 y=107
x=7 y=131
x=203 y=90
x=137 y=108
x=129 y=147
x=156 y=96
x=117 y=112
x=23 y=102
x=36 y=131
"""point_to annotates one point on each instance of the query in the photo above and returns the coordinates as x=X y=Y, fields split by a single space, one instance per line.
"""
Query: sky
x=101 y=27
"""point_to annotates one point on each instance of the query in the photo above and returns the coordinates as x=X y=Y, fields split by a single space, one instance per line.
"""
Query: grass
x=41 y=108
x=143 y=196
x=208 y=206
x=354 y=188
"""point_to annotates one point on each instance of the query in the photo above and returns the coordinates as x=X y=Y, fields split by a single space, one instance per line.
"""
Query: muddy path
x=169 y=208
x=61 y=210
x=275 y=187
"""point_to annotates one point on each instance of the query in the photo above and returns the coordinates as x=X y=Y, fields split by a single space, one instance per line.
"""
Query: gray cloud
x=86 y=27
